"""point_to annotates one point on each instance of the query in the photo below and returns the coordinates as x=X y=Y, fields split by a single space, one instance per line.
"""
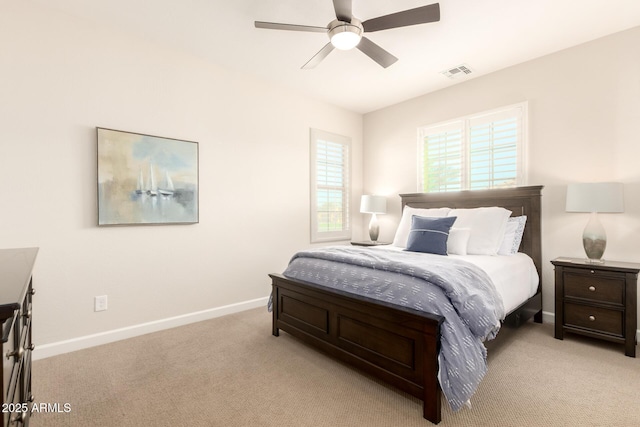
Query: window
x=481 y=151
x=330 y=186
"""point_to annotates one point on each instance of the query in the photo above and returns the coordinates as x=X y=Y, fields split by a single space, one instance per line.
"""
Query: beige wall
x=584 y=116
x=60 y=78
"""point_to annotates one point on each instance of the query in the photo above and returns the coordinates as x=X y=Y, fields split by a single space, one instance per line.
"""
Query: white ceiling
x=488 y=35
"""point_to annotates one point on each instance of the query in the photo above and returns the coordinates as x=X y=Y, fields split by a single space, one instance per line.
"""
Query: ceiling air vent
x=460 y=70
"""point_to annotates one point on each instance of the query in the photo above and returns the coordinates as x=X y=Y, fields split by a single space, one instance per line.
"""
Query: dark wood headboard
x=519 y=200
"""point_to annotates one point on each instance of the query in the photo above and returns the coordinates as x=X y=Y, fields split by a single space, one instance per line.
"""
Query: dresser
x=16 y=295
x=597 y=300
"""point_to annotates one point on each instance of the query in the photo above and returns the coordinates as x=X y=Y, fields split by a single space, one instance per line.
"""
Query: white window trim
x=328 y=236
x=522 y=162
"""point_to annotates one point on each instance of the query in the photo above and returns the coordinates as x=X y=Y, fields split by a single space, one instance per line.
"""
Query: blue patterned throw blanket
x=457 y=290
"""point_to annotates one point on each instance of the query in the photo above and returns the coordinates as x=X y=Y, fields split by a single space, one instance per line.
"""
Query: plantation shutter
x=475 y=152
x=330 y=186
x=442 y=158
x=494 y=149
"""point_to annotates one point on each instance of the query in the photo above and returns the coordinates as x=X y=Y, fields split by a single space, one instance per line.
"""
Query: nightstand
x=369 y=243
x=597 y=300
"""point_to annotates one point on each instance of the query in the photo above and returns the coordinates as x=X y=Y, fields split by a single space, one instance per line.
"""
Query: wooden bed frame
x=398 y=345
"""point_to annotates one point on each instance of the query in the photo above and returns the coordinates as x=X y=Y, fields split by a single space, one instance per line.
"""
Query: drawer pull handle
x=593 y=272
x=16 y=353
x=19 y=418
x=592 y=318
x=592 y=288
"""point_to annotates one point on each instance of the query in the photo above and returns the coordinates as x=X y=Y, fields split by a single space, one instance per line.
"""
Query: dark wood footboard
x=398 y=346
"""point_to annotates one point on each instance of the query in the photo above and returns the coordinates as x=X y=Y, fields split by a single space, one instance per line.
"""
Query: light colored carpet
x=231 y=371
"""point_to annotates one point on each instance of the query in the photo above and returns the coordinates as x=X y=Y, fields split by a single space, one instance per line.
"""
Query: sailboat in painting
x=152 y=188
x=140 y=188
x=167 y=188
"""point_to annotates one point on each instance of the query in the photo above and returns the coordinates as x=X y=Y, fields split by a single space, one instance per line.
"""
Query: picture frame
x=145 y=179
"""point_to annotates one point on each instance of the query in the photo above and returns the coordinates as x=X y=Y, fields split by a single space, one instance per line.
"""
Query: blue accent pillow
x=429 y=235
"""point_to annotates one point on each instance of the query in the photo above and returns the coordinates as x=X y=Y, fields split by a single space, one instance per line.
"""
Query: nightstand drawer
x=595 y=287
x=594 y=318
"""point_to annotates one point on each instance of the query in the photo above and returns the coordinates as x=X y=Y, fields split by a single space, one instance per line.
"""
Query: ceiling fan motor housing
x=345 y=35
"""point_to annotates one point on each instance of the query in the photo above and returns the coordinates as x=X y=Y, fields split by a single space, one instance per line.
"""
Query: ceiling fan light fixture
x=345 y=35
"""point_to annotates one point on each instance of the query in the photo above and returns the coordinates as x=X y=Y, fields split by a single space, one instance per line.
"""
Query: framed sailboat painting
x=144 y=179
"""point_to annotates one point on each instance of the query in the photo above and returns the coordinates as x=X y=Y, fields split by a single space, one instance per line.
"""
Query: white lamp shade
x=373 y=204
x=603 y=197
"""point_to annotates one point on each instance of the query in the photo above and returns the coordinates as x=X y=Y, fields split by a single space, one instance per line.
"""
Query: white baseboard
x=61 y=347
x=548 y=317
x=67 y=346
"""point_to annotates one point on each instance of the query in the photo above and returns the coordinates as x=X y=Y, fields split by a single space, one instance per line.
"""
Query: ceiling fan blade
x=289 y=27
x=343 y=10
x=419 y=15
x=376 y=53
x=326 y=50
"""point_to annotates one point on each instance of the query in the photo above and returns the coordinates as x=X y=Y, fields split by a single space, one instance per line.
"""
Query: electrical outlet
x=100 y=303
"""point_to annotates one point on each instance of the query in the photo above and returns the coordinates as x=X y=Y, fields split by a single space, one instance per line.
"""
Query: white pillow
x=512 y=235
x=458 y=240
x=402 y=233
x=487 y=228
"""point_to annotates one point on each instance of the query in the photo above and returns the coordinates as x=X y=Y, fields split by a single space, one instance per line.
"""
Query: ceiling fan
x=345 y=32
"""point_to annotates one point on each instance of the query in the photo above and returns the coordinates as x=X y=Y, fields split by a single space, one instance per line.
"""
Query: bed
x=399 y=345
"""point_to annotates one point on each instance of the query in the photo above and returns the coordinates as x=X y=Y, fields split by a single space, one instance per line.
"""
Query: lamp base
x=594 y=239
x=595 y=261
x=374 y=229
